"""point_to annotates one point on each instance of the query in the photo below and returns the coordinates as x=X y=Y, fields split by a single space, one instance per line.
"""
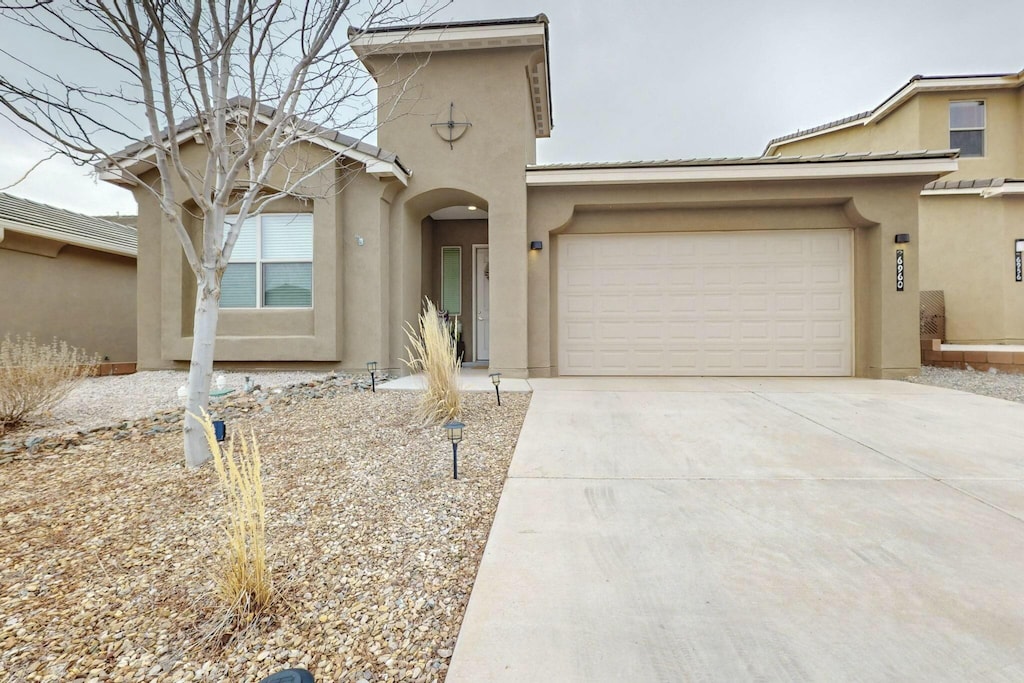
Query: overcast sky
x=657 y=79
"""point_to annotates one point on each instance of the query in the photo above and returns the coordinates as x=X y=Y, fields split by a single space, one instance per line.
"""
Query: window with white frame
x=967 y=128
x=271 y=265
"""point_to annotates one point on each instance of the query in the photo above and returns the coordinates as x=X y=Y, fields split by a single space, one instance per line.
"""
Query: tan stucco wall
x=344 y=328
x=966 y=241
x=967 y=248
x=485 y=167
x=885 y=320
x=84 y=297
x=922 y=122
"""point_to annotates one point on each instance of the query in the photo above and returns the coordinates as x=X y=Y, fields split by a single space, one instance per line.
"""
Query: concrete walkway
x=472 y=379
x=738 y=530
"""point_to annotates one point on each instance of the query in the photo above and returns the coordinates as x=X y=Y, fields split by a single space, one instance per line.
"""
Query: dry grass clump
x=242 y=578
x=433 y=352
x=35 y=377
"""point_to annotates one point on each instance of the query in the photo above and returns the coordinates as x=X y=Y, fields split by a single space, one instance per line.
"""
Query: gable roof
x=380 y=163
x=912 y=87
x=41 y=220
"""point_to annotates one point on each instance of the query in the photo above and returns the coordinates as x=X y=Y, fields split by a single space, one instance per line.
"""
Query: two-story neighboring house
x=971 y=221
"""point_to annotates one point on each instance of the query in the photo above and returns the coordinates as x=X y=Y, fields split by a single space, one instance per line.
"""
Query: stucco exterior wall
x=885 y=320
x=343 y=328
x=84 y=297
x=485 y=167
x=966 y=240
x=967 y=245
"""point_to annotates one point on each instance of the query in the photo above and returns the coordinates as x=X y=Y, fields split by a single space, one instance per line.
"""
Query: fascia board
x=953 y=191
x=738 y=173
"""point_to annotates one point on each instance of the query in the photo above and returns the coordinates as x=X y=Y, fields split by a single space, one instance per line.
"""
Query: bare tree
x=249 y=79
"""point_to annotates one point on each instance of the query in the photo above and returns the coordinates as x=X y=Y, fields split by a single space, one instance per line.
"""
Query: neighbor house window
x=271 y=265
x=967 y=128
x=451 y=279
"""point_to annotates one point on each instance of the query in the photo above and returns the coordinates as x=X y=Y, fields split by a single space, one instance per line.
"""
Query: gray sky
x=657 y=79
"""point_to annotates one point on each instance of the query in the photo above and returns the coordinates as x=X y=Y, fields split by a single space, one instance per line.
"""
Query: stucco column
x=508 y=246
x=892 y=316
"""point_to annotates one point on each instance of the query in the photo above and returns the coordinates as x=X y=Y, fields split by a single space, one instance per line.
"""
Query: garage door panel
x=743 y=303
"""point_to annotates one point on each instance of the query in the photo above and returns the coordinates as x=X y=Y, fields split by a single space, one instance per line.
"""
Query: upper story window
x=967 y=128
x=271 y=265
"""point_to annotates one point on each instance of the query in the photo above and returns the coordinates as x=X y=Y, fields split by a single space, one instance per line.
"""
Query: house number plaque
x=899 y=270
x=1018 y=270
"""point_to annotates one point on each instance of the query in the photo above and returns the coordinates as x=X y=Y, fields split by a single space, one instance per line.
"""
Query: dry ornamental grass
x=433 y=352
x=35 y=377
x=110 y=550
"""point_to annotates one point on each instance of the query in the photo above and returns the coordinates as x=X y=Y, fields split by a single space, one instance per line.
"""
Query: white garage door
x=707 y=303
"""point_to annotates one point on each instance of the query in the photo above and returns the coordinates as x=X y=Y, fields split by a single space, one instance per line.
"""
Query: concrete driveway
x=737 y=530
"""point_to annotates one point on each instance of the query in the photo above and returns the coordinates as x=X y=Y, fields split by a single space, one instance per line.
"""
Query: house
x=972 y=220
x=68 y=276
x=756 y=266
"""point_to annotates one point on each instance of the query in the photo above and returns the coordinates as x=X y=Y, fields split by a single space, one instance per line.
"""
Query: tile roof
x=266 y=110
x=745 y=161
x=66 y=226
x=824 y=126
x=971 y=184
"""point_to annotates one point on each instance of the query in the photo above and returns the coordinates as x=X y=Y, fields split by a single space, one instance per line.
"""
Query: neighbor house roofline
x=469 y=35
x=60 y=225
x=813 y=167
x=137 y=157
x=912 y=87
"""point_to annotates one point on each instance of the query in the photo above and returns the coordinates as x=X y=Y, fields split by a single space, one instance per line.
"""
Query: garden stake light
x=372 y=367
x=454 y=430
x=496 y=380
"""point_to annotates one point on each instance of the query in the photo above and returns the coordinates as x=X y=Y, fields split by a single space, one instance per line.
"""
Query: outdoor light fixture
x=372 y=367
x=454 y=430
x=903 y=238
x=496 y=380
x=536 y=245
x=219 y=430
x=360 y=241
x=471 y=207
x=1018 y=246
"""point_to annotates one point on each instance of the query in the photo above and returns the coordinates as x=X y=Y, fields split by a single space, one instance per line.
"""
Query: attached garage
x=740 y=303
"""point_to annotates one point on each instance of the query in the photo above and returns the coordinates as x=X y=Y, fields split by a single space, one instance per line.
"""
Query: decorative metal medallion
x=449 y=129
x=899 y=270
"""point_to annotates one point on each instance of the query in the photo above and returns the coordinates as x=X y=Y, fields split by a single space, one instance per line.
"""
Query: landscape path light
x=496 y=380
x=372 y=367
x=454 y=430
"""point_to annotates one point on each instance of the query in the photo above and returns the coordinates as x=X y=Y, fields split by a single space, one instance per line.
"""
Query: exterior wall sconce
x=496 y=380
x=454 y=430
x=536 y=245
x=360 y=241
x=371 y=367
x=903 y=238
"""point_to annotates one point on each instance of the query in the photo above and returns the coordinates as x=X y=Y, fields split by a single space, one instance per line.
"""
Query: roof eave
x=75 y=240
x=931 y=166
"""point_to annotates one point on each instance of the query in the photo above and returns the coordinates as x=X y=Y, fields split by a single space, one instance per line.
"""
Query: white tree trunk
x=200 y=372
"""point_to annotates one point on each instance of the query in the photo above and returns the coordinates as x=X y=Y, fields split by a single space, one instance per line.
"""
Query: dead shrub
x=242 y=577
x=433 y=351
x=35 y=377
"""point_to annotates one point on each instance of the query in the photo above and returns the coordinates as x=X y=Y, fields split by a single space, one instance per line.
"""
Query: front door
x=482 y=304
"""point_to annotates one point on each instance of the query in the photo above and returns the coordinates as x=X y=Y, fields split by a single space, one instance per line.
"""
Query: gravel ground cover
x=109 y=548
x=1003 y=385
x=98 y=399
